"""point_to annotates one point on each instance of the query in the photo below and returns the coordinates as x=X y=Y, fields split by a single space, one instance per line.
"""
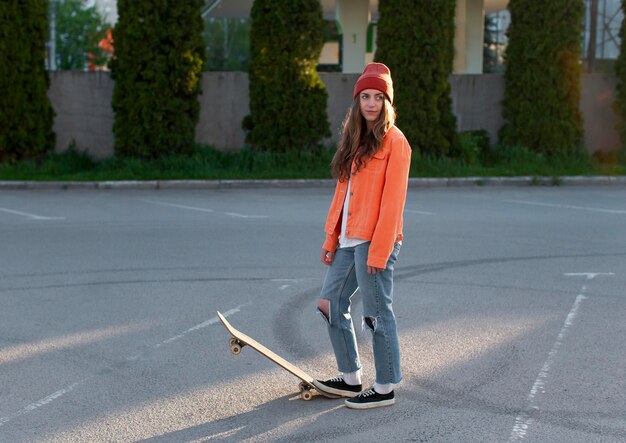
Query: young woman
x=363 y=239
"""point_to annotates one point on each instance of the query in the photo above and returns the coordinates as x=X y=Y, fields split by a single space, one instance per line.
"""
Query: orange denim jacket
x=377 y=197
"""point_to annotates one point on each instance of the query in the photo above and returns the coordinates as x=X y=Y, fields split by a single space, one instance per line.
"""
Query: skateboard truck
x=235 y=346
x=306 y=393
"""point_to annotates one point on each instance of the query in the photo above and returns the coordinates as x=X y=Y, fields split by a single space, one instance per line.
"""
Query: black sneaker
x=370 y=399
x=338 y=387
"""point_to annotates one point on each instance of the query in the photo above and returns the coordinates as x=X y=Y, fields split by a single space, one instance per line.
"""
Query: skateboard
x=238 y=340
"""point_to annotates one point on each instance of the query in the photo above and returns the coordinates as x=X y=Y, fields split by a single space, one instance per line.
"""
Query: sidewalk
x=231 y=184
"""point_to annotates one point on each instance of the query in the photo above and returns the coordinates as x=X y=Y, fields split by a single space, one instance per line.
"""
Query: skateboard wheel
x=232 y=341
x=303 y=386
x=306 y=395
x=235 y=349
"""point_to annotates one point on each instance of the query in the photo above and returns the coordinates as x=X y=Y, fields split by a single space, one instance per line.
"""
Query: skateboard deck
x=238 y=340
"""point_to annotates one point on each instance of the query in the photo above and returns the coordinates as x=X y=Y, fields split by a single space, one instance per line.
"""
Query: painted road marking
x=212 y=211
x=524 y=420
x=28 y=215
x=205 y=324
x=39 y=403
x=589 y=275
x=580 y=208
x=414 y=211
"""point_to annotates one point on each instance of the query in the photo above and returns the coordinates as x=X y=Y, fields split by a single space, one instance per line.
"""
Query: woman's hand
x=327 y=257
x=372 y=270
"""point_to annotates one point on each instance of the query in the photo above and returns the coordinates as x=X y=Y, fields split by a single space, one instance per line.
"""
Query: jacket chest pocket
x=377 y=163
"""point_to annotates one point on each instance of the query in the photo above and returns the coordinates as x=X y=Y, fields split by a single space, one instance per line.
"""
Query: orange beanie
x=375 y=76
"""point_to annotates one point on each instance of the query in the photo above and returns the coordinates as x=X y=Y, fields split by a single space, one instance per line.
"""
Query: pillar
x=469 y=36
x=354 y=17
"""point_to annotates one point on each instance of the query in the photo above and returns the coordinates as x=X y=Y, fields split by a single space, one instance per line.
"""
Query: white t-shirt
x=345 y=242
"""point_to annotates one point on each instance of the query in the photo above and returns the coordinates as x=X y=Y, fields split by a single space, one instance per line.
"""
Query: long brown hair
x=356 y=143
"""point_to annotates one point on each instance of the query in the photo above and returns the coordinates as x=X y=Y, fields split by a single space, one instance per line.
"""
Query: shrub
x=620 y=71
x=26 y=115
x=472 y=146
x=287 y=97
x=157 y=70
x=542 y=76
x=416 y=41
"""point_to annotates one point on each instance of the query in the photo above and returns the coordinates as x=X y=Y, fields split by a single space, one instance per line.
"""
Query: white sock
x=352 y=378
x=383 y=388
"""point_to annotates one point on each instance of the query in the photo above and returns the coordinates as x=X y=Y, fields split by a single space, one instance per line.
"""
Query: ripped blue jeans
x=347 y=273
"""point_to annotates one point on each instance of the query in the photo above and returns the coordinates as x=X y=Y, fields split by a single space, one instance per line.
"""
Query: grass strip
x=206 y=163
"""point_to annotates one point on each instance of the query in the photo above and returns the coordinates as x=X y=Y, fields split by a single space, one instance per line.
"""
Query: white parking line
x=31 y=216
x=414 y=211
x=194 y=208
x=524 y=420
x=205 y=324
x=39 y=403
x=587 y=275
x=579 y=208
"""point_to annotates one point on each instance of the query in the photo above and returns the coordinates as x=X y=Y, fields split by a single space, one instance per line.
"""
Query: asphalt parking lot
x=511 y=306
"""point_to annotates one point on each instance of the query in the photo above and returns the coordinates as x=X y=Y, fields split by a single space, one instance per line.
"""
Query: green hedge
x=287 y=97
x=542 y=76
x=208 y=163
x=416 y=41
x=157 y=67
x=620 y=72
x=26 y=116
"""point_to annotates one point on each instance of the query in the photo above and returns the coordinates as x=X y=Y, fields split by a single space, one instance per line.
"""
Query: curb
x=314 y=183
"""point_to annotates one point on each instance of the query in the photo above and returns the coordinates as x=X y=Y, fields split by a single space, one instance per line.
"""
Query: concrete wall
x=82 y=102
x=83 y=111
x=476 y=103
x=223 y=105
x=596 y=104
x=340 y=88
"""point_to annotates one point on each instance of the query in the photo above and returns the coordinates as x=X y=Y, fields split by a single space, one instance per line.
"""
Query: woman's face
x=371 y=103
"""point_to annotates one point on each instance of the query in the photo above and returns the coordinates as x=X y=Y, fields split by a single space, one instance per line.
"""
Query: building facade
x=357 y=20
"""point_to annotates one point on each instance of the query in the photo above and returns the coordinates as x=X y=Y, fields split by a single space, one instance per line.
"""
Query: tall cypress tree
x=620 y=72
x=416 y=41
x=287 y=97
x=542 y=76
x=26 y=116
x=157 y=66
